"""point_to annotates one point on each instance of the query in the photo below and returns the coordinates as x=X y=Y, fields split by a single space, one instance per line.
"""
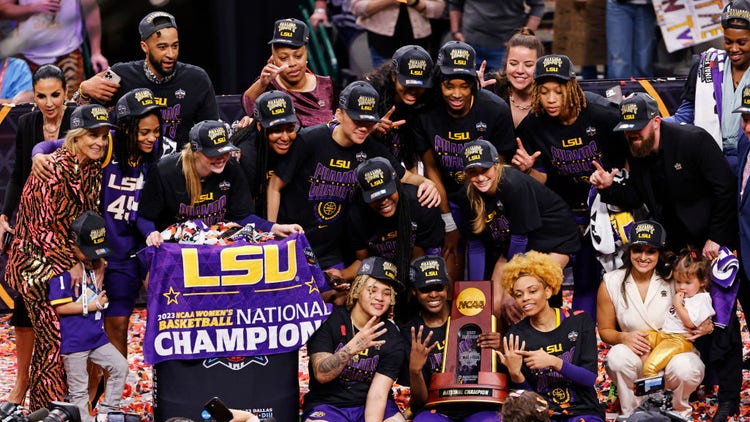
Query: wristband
x=450 y=225
x=80 y=92
x=101 y=307
x=320 y=10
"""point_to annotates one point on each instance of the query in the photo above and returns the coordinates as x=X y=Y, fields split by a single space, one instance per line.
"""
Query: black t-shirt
x=165 y=201
x=249 y=162
x=187 y=98
x=321 y=184
x=567 y=151
x=534 y=210
x=434 y=365
x=573 y=341
x=489 y=118
x=350 y=388
x=369 y=230
x=400 y=139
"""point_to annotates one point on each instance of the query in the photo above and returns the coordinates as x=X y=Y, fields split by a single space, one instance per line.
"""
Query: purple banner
x=221 y=301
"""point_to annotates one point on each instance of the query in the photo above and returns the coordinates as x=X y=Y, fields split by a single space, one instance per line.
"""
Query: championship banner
x=208 y=301
x=685 y=23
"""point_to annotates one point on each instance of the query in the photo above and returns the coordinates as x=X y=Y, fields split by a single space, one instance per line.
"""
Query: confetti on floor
x=137 y=397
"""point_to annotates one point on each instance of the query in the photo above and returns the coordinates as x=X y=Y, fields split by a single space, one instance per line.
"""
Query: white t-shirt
x=43 y=38
x=699 y=309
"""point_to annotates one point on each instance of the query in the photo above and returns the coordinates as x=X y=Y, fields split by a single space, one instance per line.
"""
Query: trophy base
x=491 y=388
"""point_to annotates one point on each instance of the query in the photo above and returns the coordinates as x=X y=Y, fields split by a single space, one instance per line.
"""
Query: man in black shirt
x=184 y=91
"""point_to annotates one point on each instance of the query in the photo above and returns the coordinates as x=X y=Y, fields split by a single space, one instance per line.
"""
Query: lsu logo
x=343 y=164
x=572 y=142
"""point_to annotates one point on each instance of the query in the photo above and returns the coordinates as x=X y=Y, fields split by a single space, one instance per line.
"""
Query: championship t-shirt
x=250 y=160
x=350 y=388
x=321 y=184
x=569 y=150
x=489 y=118
x=379 y=235
x=224 y=197
x=573 y=341
x=187 y=98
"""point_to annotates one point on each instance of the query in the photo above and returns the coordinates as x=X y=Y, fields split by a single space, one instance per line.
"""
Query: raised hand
x=600 y=178
x=420 y=349
x=522 y=160
x=270 y=71
x=385 y=124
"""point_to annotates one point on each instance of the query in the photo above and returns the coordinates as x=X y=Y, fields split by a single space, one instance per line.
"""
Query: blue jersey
x=120 y=194
x=78 y=333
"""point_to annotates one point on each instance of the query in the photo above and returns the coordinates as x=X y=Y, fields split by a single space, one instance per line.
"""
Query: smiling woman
x=42 y=247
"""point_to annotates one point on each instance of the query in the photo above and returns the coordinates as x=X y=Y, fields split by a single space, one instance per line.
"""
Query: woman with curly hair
x=563 y=135
x=552 y=350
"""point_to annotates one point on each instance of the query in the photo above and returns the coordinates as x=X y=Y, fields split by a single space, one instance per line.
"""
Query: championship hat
x=210 y=138
x=376 y=178
x=155 y=21
x=479 y=153
x=413 y=66
x=554 y=65
x=136 y=103
x=427 y=271
x=381 y=269
x=88 y=231
x=457 y=58
x=648 y=232
x=90 y=116
x=360 y=101
x=290 y=32
x=274 y=108
x=636 y=111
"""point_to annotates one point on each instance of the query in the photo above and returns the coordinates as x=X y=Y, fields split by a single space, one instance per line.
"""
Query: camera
x=646 y=386
x=62 y=412
x=659 y=401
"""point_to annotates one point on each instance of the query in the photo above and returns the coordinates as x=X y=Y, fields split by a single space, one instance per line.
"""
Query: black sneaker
x=726 y=410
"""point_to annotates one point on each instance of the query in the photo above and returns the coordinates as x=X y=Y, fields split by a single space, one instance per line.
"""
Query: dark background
x=228 y=38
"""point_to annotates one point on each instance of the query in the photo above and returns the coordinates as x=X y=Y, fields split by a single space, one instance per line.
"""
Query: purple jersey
x=78 y=333
x=119 y=205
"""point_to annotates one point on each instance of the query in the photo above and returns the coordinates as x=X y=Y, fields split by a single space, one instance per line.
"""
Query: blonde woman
x=202 y=183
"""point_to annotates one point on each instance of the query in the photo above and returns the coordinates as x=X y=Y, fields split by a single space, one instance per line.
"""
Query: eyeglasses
x=433 y=288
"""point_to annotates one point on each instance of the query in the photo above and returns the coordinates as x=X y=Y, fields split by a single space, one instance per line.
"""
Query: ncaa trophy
x=469 y=372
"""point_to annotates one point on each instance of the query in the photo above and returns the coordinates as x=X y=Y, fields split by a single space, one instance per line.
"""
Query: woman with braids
x=126 y=161
x=200 y=183
x=563 y=135
x=42 y=247
x=357 y=354
x=401 y=83
x=390 y=223
x=265 y=142
x=512 y=213
x=633 y=301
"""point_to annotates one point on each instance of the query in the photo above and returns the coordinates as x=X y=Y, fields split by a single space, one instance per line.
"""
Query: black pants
x=721 y=352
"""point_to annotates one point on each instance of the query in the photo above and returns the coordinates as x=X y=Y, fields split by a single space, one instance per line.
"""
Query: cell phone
x=646 y=386
x=218 y=411
x=111 y=76
x=614 y=94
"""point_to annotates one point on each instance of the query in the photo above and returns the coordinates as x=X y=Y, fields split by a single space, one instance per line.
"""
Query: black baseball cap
x=457 y=58
x=155 y=21
x=137 y=102
x=210 y=138
x=291 y=32
x=89 y=233
x=736 y=14
x=745 y=106
x=413 y=66
x=274 y=108
x=648 y=232
x=360 y=101
x=90 y=116
x=376 y=178
x=554 y=65
x=479 y=153
x=636 y=111
x=381 y=269
x=428 y=270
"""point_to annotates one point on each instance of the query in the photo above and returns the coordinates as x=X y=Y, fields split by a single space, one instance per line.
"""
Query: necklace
x=51 y=128
x=519 y=106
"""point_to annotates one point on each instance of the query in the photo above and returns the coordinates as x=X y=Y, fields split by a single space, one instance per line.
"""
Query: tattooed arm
x=327 y=366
